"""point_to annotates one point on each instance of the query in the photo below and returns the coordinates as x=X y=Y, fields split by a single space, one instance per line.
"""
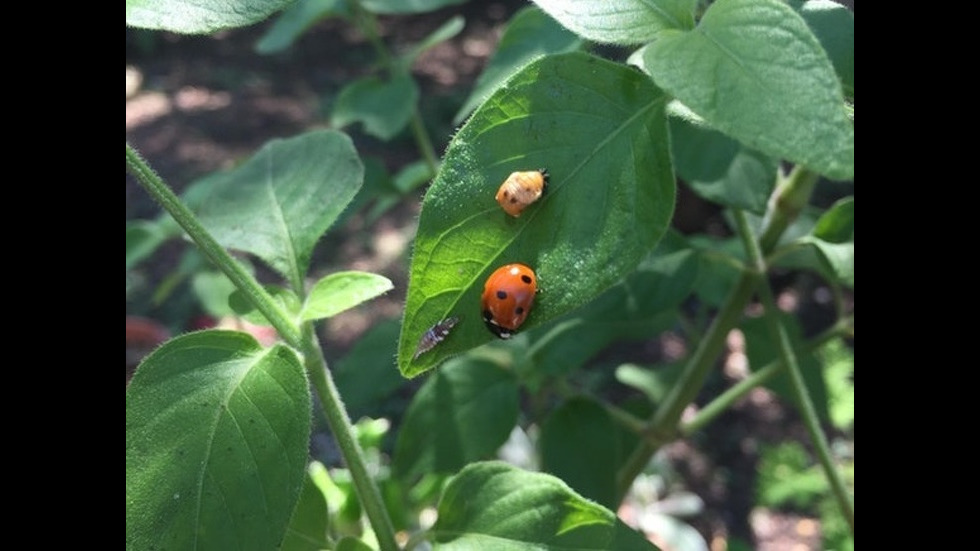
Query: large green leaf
x=600 y=129
x=281 y=201
x=580 y=445
x=217 y=432
x=621 y=21
x=198 y=16
x=754 y=70
x=463 y=413
x=530 y=33
x=493 y=505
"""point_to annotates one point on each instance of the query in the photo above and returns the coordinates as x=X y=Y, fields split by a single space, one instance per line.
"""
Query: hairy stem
x=167 y=199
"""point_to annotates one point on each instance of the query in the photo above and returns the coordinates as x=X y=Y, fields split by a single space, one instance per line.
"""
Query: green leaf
x=143 y=237
x=838 y=256
x=295 y=20
x=242 y=307
x=721 y=170
x=833 y=24
x=368 y=374
x=281 y=201
x=753 y=70
x=529 y=34
x=621 y=21
x=600 y=129
x=407 y=6
x=447 y=30
x=212 y=289
x=580 y=445
x=654 y=381
x=495 y=505
x=342 y=291
x=350 y=543
x=307 y=530
x=463 y=413
x=383 y=107
x=785 y=477
x=836 y=225
x=838 y=372
x=217 y=432
x=198 y=16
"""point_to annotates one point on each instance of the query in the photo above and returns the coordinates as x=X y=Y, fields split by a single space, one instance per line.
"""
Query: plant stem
x=792 y=193
x=367 y=23
x=788 y=358
x=244 y=281
x=757 y=378
x=343 y=432
x=330 y=399
x=663 y=425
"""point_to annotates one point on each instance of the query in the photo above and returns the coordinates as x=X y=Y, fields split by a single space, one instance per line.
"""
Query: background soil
x=196 y=104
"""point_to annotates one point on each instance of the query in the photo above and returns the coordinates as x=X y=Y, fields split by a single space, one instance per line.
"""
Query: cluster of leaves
x=720 y=96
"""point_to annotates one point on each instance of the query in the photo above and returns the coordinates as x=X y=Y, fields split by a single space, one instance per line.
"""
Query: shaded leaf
x=281 y=201
x=444 y=32
x=530 y=33
x=295 y=20
x=242 y=307
x=217 y=430
x=493 y=504
x=463 y=413
x=580 y=444
x=720 y=169
x=342 y=291
x=753 y=70
x=307 y=530
x=407 y=6
x=833 y=24
x=368 y=374
x=198 y=16
x=383 y=107
x=621 y=21
x=600 y=129
x=654 y=381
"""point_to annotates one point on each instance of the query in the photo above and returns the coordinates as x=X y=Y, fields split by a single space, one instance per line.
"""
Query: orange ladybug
x=508 y=296
x=520 y=189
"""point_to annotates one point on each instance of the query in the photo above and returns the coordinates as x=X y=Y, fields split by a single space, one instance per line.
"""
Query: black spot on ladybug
x=519 y=310
x=526 y=279
x=501 y=295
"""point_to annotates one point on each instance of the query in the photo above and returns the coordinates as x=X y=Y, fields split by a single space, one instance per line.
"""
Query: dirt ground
x=196 y=104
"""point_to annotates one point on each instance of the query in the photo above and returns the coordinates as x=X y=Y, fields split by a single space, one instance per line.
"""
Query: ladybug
x=520 y=189
x=507 y=298
x=435 y=335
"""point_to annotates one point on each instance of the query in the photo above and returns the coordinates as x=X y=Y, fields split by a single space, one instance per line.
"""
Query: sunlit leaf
x=217 y=436
x=600 y=130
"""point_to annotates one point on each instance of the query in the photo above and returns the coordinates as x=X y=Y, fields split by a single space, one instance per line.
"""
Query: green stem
x=211 y=249
x=720 y=404
x=792 y=193
x=798 y=386
x=333 y=406
x=663 y=425
x=367 y=23
x=343 y=432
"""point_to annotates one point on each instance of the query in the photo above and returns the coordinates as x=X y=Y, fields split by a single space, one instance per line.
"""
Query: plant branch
x=244 y=281
x=726 y=399
x=798 y=386
x=343 y=432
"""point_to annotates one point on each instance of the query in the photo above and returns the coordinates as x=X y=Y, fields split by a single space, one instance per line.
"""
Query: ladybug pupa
x=520 y=189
